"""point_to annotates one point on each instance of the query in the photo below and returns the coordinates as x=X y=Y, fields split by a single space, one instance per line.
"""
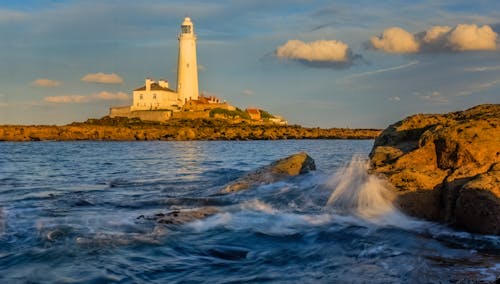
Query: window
x=154 y=96
x=186 y=29
x=140 y=97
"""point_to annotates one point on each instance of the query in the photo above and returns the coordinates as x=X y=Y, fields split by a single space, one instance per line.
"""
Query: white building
x=157 y=95
x=155 y=101
x=187 y=66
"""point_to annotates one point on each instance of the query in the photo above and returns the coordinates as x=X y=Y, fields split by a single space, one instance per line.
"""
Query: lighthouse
x=187 y=67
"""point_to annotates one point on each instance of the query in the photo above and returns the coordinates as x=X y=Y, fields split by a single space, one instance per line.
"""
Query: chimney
x=148 y=84
x=163 y=83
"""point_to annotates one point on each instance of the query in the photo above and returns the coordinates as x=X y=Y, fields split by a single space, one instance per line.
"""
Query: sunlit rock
x=445 y=167
x=293 y=165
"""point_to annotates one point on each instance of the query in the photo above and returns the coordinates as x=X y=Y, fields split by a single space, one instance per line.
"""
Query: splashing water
x=356 y=191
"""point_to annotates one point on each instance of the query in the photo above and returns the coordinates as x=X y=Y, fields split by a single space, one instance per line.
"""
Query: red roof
x=253 y=111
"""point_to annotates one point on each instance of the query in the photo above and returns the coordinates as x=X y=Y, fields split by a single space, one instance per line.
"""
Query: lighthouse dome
x=187 y=21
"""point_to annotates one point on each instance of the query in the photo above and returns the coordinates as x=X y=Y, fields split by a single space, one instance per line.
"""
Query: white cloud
x=66 y=99
x=434 y=97
x=43 y=82
x=395 y=99
x=247 y=92
x=102 y=78
x=472 y=37
x=107 y=96
x=76 y=99
x=201 y=67
x=482 y=68
x=436 y=33
x=368 y=73
x=462 y=37
x=489 y=84
x=315 y=51
x=476 y=88
x=396 y=40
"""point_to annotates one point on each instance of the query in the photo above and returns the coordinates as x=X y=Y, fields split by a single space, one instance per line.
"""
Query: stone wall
x=193 y=106
x=119 y=111
x=151 y=115
x=191 y=114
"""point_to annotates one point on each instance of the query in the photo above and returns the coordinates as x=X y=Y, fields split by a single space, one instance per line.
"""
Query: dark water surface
x=69 y=214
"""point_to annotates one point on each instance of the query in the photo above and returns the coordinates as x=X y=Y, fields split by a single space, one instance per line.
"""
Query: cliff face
x=196 y=129
x=445 y=167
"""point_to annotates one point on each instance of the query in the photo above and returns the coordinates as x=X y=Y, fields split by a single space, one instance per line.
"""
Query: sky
x=357 y=64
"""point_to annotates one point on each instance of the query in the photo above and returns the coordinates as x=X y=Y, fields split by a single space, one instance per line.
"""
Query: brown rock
x=477 y=206
x=126 y=129
x=293 y=165
x=445 y=167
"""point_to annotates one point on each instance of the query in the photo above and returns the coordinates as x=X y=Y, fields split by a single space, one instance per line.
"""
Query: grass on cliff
x=199 y=123
x=265 y=115
x=128 y=122
x=229 y=113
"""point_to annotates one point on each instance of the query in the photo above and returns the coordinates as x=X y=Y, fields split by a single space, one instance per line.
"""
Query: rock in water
x=179 y=217
x=445 y=167
x=166 y=221
x=293 y=165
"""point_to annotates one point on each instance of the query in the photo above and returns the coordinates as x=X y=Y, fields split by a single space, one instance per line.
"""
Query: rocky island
x=445 y=168
x=129 y=129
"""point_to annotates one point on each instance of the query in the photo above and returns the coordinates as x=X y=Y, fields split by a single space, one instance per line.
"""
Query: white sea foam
x=490 y=274
x=318 y=220
x=217 y=220
x=258 y=205
x=358 y=192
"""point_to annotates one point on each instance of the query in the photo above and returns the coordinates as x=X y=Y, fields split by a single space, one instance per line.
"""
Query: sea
x=82 y=212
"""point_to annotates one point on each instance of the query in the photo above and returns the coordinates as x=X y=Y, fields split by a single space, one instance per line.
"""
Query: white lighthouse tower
x=187 y=67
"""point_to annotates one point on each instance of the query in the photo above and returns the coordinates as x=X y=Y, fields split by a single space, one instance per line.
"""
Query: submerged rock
x=161 y=229
x=179 y=217
x=116 y=240
x=445 y=167
x=293 y=165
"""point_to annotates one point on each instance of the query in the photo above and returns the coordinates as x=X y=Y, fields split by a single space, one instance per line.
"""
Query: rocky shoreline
x=445 y=168
x=125 y=129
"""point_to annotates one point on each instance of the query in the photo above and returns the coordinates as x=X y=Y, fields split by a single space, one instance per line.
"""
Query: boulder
x=445 y=167
x=293 y=165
